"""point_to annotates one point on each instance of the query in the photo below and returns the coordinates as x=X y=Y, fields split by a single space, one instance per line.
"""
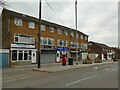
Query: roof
x=100 y=44
x=31 y=18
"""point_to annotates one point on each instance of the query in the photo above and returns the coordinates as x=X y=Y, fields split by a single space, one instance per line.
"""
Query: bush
x=98 y=60
x=87 y=61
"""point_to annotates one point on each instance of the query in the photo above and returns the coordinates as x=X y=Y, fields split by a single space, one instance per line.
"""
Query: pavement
x=55 y=67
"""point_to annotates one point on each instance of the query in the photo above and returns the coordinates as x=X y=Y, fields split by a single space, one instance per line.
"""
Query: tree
x=3 y=4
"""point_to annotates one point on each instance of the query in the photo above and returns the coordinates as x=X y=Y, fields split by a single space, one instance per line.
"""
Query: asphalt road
x=103 y=76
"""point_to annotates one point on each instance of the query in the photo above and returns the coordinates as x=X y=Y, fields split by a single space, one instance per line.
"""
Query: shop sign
x=23 y=45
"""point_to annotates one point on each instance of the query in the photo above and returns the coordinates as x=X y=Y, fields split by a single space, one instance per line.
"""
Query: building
x=20 y=36
x=100 y=50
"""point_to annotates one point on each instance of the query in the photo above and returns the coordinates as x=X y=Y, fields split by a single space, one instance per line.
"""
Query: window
x=66 y=33
x=76 y=44
x=85 y=37
x=59 y=42
x=59 y=31
x=22 y=38
x=50 y=41
x=14 y=55
x=47 y=41
x=31 y=25
x=63 y=43
x=52 y=29
x=42 y=27
x=72 y=34
x=18 y=22
x=77 y=35
x=20 y=54
x=81 y=36
x=72 y=44
x=25 y=55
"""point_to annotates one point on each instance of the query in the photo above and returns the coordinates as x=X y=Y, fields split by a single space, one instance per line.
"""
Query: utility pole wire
x=53 y=11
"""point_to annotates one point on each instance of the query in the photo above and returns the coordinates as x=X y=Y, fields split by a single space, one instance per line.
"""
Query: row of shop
x=17 y=56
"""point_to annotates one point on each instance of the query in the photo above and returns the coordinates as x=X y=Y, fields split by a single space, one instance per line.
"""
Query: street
x=102 y=76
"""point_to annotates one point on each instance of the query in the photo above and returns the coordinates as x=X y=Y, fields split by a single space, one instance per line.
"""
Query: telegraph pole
x=76 y=31
x=39 y=49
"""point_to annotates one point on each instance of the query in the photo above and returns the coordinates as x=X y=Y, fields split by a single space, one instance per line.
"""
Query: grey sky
x=99 y=20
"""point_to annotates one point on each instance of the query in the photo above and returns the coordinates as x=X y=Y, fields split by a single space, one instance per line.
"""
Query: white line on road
x=16 y=79
x=80 y=80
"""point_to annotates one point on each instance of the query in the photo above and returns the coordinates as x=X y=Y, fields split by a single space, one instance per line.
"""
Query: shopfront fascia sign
x=23 y=45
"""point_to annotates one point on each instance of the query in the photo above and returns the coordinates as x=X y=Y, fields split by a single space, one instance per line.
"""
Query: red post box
x=64 y=60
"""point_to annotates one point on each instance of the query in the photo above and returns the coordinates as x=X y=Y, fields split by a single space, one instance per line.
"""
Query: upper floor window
x=22 y=38
x=72 y=34
x=31 y=25
x=42 y=27
x=77 y=35
x=66 y=33
x=52 y=29
x=63 y=43
x=18 y=21
x=85 y=37
x=81 y=36
x=47 y=41
x=59 y=31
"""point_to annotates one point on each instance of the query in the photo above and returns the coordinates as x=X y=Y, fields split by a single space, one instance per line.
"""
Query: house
x=20 y=37
x=116 y=52
x=100 y=50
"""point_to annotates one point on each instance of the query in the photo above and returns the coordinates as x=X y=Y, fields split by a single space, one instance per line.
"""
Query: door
x=33 y=57
x=5 y=59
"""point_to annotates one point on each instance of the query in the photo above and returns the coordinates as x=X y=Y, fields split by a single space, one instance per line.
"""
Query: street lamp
x=76 y=31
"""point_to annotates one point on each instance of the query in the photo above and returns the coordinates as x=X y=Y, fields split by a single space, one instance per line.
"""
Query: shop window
x=25 y=55
x=14 y=55
x=20 y=55
x=30 y=53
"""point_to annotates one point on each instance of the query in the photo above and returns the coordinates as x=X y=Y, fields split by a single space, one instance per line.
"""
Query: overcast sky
x=99 y=20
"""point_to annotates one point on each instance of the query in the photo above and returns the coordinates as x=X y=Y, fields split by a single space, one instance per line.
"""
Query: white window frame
x=72 y=34
x=31 y=25
x=52 y=29
x=32 y=41
x=77 y=35
x=59 y=31
x=42 y=27
x=47 y=41
x=81 y=36
x=86 y=38
x=66 y=33
x=18 y=21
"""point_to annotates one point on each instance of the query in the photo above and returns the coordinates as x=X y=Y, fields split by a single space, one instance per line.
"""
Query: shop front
x=22 y=54
x=60 y=52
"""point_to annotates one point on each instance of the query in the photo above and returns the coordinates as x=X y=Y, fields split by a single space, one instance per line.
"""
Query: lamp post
x=76 y=32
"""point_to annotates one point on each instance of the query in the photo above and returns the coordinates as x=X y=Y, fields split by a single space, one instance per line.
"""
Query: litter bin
x=70 y=61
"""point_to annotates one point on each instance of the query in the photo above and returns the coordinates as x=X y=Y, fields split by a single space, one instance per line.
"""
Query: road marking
x=80 y=80
x=16 y=79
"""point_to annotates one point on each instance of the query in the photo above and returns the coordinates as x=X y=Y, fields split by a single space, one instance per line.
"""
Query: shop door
x=33 y=57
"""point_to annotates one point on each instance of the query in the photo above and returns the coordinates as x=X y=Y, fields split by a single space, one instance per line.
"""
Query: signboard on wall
x=23 y=45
